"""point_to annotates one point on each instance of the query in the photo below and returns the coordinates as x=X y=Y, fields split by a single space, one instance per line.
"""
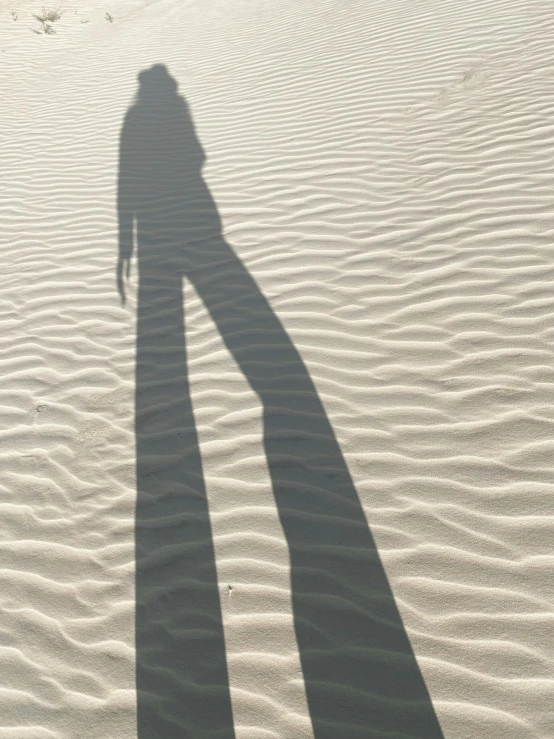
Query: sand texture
x=290 y=477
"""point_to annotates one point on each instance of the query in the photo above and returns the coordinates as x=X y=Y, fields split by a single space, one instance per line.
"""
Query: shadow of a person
x=361 y=676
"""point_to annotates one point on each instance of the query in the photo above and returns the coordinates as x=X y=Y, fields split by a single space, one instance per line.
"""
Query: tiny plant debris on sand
x=14 y=15
x=50 y=16
x=46 y=18
x=109 y=17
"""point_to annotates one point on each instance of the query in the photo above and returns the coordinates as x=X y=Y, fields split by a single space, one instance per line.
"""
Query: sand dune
x=380 y=174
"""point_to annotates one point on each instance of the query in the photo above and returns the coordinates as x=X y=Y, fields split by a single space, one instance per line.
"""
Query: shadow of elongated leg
x=182 y=682
x=362 y=678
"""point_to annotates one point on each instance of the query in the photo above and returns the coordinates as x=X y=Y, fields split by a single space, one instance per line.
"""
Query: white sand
x=383 y=170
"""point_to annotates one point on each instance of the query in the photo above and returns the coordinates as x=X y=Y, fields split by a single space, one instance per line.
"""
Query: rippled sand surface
x=383 y=170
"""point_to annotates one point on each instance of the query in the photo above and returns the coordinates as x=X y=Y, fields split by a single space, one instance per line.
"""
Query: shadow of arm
x=125 y=209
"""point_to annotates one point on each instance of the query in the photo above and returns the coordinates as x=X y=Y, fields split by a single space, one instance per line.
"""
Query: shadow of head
x=156 y=85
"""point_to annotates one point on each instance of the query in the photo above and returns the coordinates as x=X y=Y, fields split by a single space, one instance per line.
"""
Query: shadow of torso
x=175 y=210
